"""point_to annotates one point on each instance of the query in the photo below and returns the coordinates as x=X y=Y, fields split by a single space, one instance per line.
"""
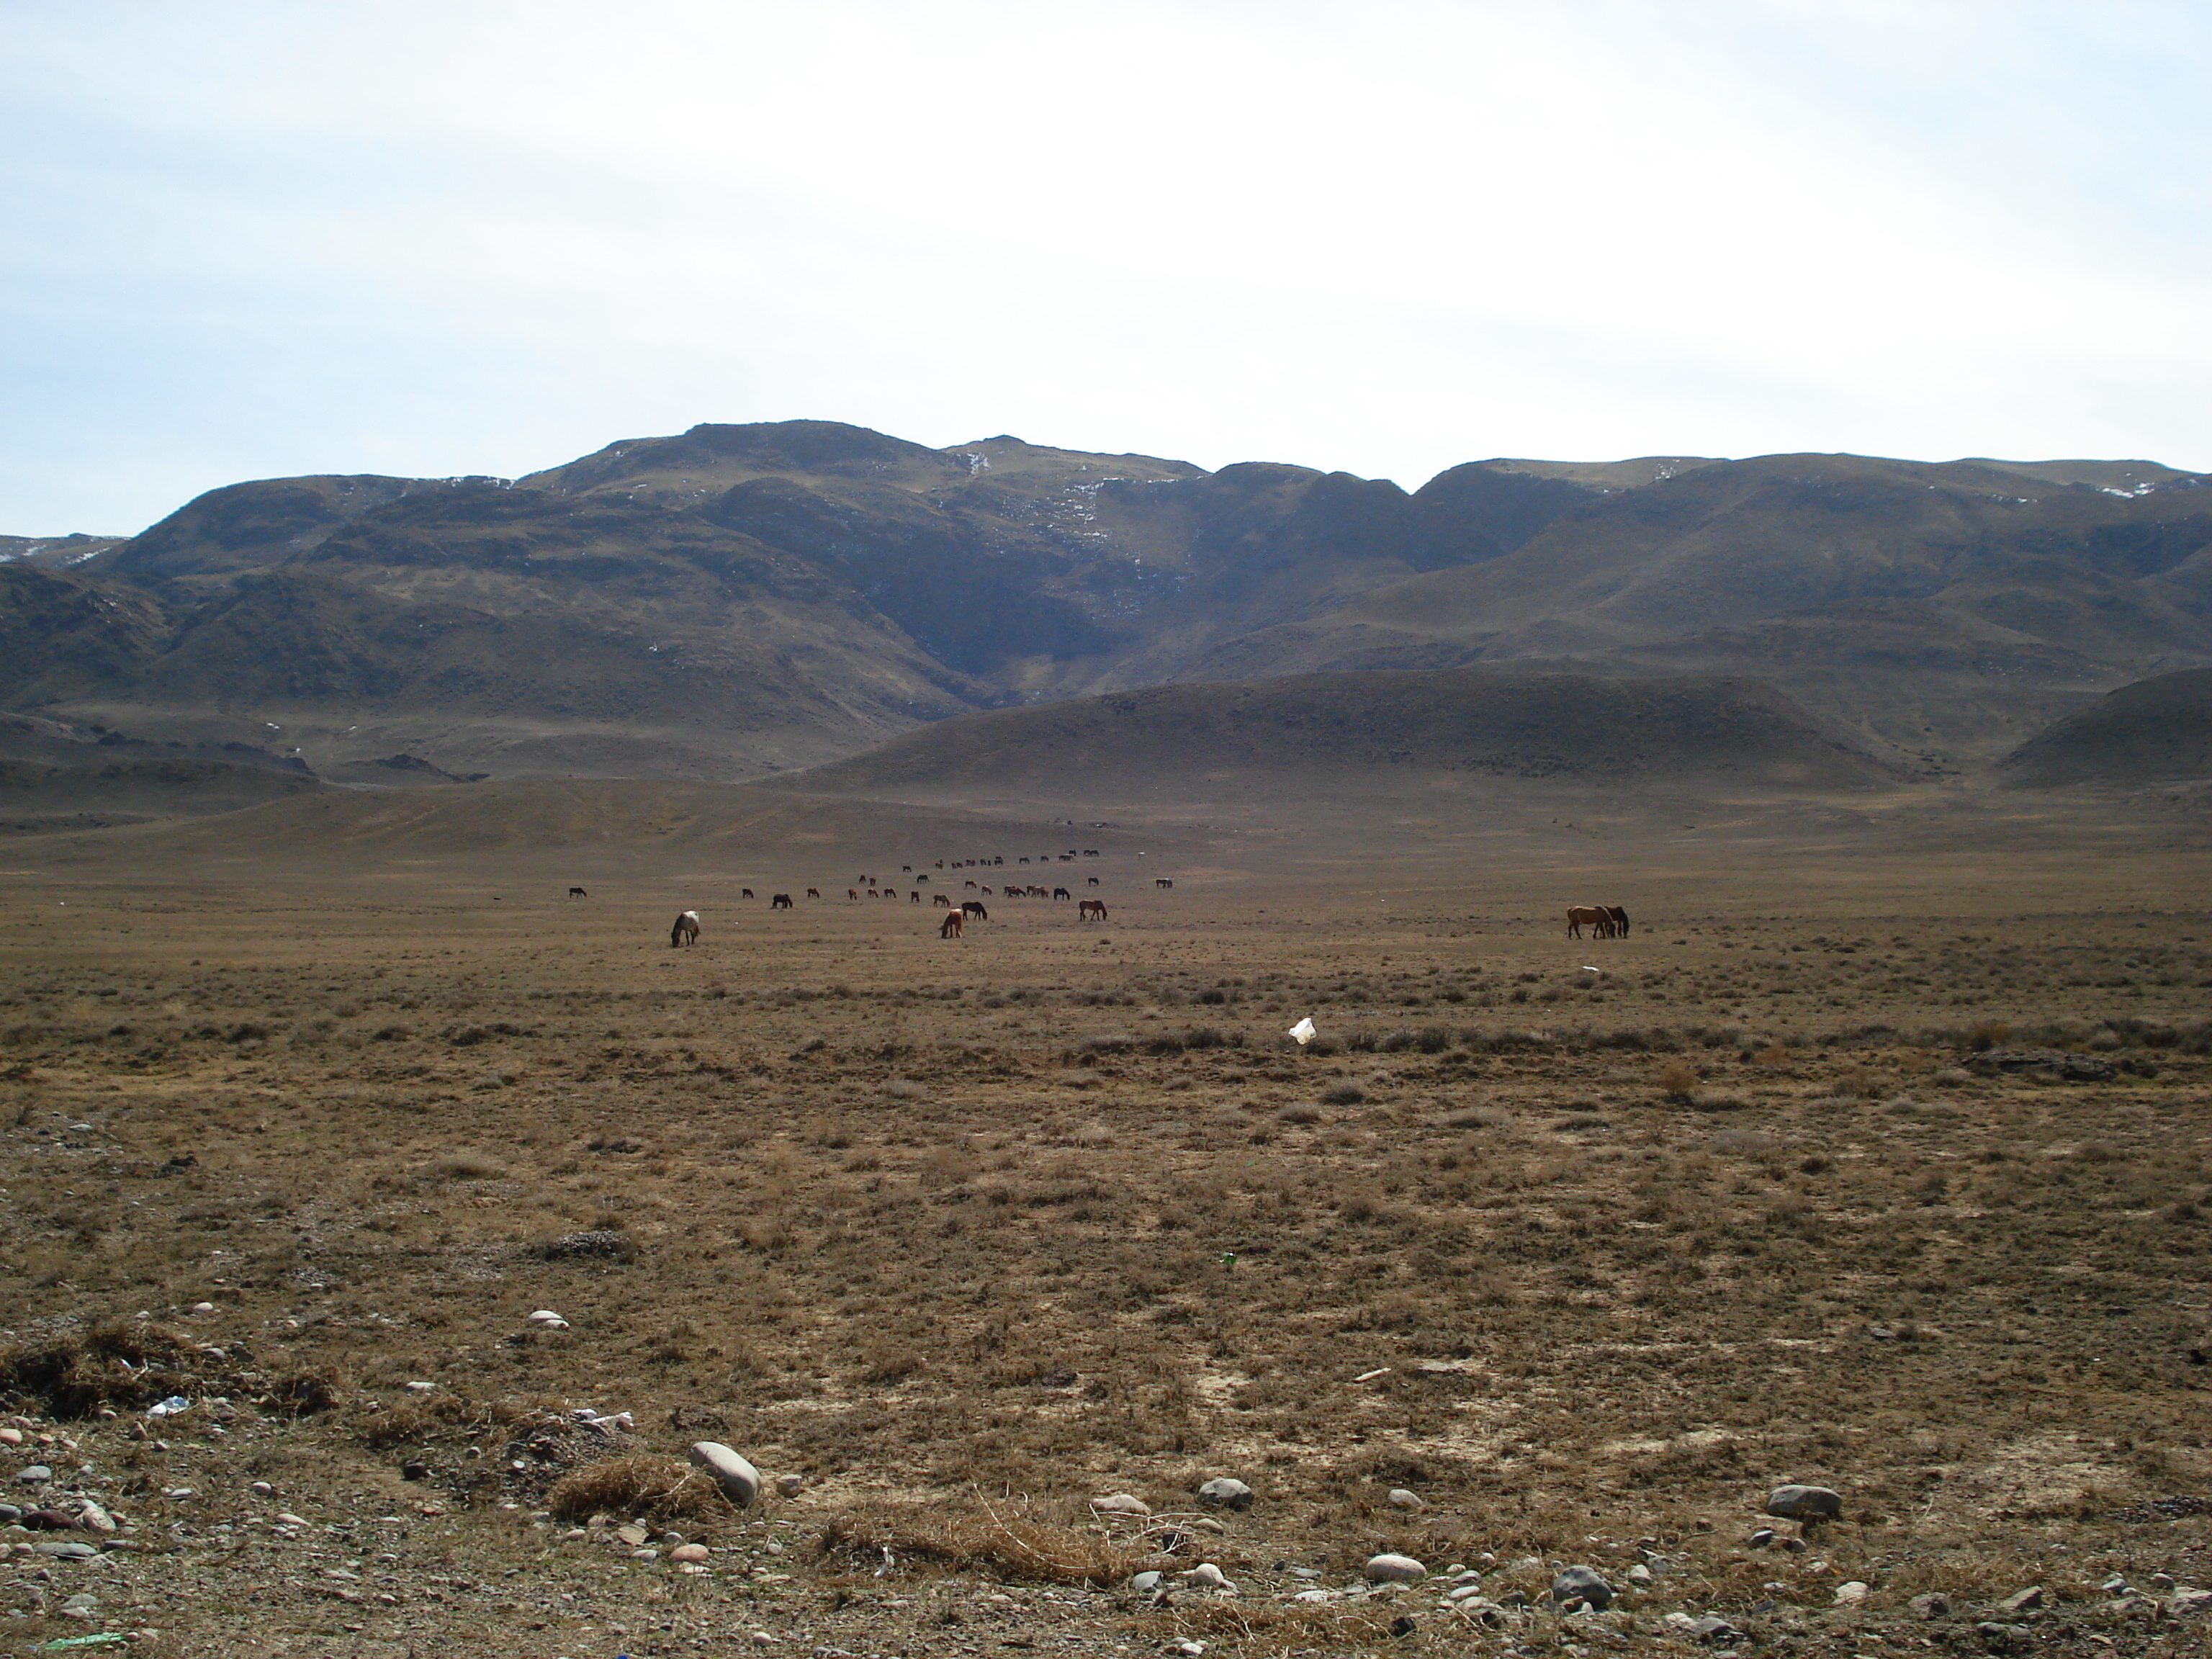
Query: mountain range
x=741 y=600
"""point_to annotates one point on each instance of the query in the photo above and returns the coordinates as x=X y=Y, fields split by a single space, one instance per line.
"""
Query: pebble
x=1121 y=1503
x=1639 y=1574
x=1933 y=1605
x=737 y=1477
x=647 y=1554
x=791 y=1484
x=1208 y=1576
x=37 y=1475
x=1144 y=1582
x=179 y=1494
x=97 y=1518
x=203 y=1307
x=632 y=1534
x=548 y=1318
x=1461 y=1592
x=1851 y=1590
x=1582 y=1584
x=1802 y=1502
x=1762 y=1538
x=262 y=1489
x=421 y=1388
x=286 y=1518
x=64 y=1551
x=1999 y=1635
x=2021 y=1601
x=1225 y=1492
x=1187 y=1649
x=8 y=1512
x=1389 y=1569
x=2161 y=1582
x=12 y=1436
x=689 y=1553
x=48 y=1521
x=1406 y=1500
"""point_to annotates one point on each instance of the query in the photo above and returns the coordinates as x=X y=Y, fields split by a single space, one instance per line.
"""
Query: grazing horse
x=854 y=893
x=1162 y=882
x=954 y=921
x=975 y=910
x=1620 y=920
x=686 y=930
x=780 y=902
x=945 y=898
x=1061 y=893
x=745 y=892
x=1594 y=917
x=1094 y=881
x=1090 y=908
x=814 y=892
x=578 y=892
x=912 y=898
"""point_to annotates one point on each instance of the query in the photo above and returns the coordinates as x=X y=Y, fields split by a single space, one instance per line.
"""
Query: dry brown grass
x=977 y=1535
x=640 y=1483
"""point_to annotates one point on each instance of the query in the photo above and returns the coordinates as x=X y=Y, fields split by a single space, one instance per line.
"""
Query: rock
x=1998 y=1635
x=1407 y=1500
x=1223 y=1492
x=1584 y=1585
x=9 y=1514
x=1851 y=1590
x=1933 y=1605
x=736 y=1477
x=2161 y=1582
x=12 y=1436
x=632 y=1535
x=83 y=1605
x=645 y=1554
x=1403 y=1625
x=1712 y=1629
x=421 y=1388
x=1762 y=1538
x=2021 y=1601
x=547 y=1317
x=2075 y=1068
x=1145 y=1583
x=2188 y=1603
x=48 y=1521
x=790 y=1485
x=1187 y=1649
x=1513 y=1599
x=36 y=1475
x=1121 y=1503
x=1462 y=1592
x=1207 y=1523
x=1207 y=1575
x=203 y=1307
x=1392 y=1570
x=689 y=1553
x=61 y=1550
x=94 y=1518
x=1804 y=1502
x=1639 y=1574
x=262 y=1489
x=286 y=1518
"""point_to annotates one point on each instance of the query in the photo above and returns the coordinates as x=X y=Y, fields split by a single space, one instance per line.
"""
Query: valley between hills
x=353 y=1093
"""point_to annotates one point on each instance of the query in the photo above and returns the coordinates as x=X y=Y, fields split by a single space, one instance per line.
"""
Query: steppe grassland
x=1055 y=1211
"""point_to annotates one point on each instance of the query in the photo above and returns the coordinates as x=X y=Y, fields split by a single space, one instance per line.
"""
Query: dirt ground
x=1585 y=1245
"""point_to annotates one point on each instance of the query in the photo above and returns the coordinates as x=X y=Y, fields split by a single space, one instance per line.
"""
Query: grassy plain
x=1586 y=1243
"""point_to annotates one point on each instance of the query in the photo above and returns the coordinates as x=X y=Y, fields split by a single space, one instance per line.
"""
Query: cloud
x=256 y=239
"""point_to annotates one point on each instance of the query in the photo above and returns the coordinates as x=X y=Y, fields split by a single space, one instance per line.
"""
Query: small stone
x=1933 y=1605
x=689 y=1553
x=1462 y=1592
x=64 y=1550
x=1762 y=1538
x=1207 y=1523
x=736 y=1477
x=1121 y=1503
x=36 y=1475
x=790 y=1485
x=1145 y=1583
x=1851 y=1590
x=2021 y=1601
x=1639 y=1574
x=1388 y=1569
x=1207 y=1575
x=181 y=1494
x=1403 y=1625
x=421 y=1388
x=1223 y=1492
x=547 y=1316
x=48 y=1520
x=96 y=1519
x=262 y=1489
x=2161 y=1582
x=1711 y=1630
x=1582 y=1585
x=12 y=1436
x=1998 y=1635
x=1804 y=1502
x=9 y=1513
x=203 y=1307
x=1795 y=1546
x=1407 y=1500
x=286 y=1518
x=645 y=1555
x=1187 y=1649
x=2186 y=1603
x=632 y=1535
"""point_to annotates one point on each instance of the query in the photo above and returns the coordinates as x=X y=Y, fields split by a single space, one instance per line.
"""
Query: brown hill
x=52 y=775
x=1340 y=734
x=2156 y=730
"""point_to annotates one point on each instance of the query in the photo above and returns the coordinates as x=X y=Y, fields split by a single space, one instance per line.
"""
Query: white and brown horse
x=686 y=930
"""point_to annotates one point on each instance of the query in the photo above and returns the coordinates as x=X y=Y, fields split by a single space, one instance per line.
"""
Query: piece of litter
x=169 y=1407
x=1369 y=1376
x=1303 y=1032
x=1588 y=969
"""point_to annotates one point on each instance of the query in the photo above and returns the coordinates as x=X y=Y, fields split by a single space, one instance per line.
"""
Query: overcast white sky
x=245 y=239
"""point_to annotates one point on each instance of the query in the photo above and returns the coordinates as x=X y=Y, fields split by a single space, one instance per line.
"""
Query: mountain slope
x=2158 y=730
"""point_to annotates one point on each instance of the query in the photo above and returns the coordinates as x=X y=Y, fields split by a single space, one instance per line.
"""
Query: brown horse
x=955 y=921
x=686 y=930
x=1592 y=917
x=1088 y=907
x=1620 y=921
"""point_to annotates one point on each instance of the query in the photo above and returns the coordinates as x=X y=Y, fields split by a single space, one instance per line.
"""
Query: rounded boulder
x=738 y=1479
x=1804 y=1502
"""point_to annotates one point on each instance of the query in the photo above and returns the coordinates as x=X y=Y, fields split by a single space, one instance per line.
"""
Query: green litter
x=105 y=1639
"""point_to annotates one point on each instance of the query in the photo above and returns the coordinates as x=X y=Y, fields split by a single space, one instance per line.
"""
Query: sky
x=252 y=240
